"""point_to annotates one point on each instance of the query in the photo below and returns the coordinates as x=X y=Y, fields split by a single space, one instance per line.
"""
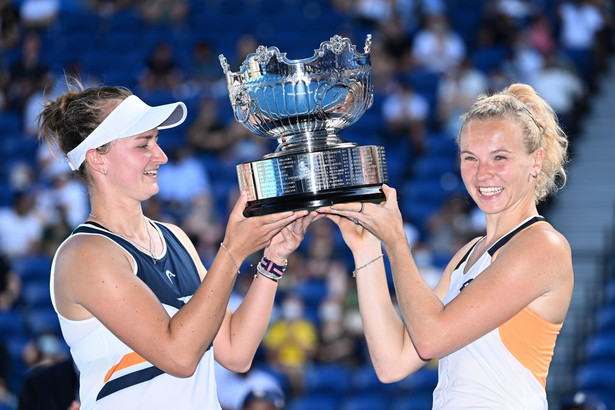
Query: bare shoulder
x=541 y=258
x=543 y=241
x=82 y=264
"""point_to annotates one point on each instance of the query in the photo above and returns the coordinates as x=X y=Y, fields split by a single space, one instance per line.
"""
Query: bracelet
x=230 y=256
x=354 y=272
x=270 y=270
x=268 y=275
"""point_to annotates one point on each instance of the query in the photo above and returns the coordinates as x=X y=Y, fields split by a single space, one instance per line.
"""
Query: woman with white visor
x=139 y=311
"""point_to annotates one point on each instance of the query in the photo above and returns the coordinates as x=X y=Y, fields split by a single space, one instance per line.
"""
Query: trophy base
x=313 y=179
x=311 y=201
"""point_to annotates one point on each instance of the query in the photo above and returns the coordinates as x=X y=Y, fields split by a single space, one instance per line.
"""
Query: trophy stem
x=309 y=142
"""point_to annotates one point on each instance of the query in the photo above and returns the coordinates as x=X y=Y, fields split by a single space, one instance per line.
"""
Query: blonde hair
x=72 y=116
x=539 y=125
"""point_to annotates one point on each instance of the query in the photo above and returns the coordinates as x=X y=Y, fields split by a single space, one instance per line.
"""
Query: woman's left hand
x=288 y=239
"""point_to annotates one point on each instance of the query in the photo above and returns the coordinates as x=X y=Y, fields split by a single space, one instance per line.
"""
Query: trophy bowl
x=304 y=104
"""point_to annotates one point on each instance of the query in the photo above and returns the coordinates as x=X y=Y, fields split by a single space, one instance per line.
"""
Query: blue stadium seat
x=327 y=378
x=313 y=402
x=424 y=379
x=605 y=318
x=11 y=324
x=10 y=122
x=596 y=375
x=43 y=320
x=489 y=58
x=600 y=346
x=364 y=379
x=35 y=294
x=365 y=401
x=312 y=291
x=33 y=268
x=419 y=400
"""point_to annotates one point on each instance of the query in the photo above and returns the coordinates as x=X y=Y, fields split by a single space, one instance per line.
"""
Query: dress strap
x=504 y=239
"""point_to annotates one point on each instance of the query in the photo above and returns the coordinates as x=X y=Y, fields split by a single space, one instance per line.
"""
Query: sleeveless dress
x=113 y=376
x=504 y=369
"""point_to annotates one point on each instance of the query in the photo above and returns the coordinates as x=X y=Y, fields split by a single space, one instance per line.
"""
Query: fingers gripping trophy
x=304 y=104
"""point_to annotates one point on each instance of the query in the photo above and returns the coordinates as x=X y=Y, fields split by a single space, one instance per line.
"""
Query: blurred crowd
x=430 y=60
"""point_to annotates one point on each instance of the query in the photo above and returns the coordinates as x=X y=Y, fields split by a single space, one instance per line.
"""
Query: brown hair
x=71 y=117
x=539 y=125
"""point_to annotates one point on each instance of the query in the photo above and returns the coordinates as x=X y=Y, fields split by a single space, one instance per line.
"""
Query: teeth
x=490 y=191
x=151 y=172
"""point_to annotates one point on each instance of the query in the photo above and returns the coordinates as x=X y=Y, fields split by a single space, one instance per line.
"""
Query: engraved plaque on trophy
x=304 y=104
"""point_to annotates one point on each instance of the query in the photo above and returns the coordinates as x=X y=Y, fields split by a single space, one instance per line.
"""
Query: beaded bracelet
x=354 y=272
x=270 y=270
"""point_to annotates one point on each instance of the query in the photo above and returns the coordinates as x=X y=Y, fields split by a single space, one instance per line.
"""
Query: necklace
x=150 y=250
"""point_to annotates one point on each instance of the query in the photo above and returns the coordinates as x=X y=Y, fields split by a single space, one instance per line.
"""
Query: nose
x=159 y=155
x=483 y=171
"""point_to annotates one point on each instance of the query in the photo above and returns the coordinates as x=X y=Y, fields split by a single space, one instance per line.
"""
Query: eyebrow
x=496 y=151
x=147 y=136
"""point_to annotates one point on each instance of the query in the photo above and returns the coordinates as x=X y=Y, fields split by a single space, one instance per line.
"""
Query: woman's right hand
x=382 y=220
x=244 y=236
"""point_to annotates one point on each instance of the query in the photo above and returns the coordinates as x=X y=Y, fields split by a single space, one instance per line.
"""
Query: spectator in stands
x=43 y=351
x=183 y=181
x=448 y=229
x=323 y=261
x=436 y=47
x=10 y=285
x=494 y=317
x=203 y=70
x=53 y=387
x=337 y=343
x=145 y=294
x=7 y=398
x=563 y=89
x=235 y=388
x=21 y=227
x=581 y=24
x=260 y=399
x=207 y=132
x=405 y=113
x=38 y=14
x=171 y=13
x=10 y=27
x=456 y=92
x=162 y=71
x=291 y=341
x=27 y=73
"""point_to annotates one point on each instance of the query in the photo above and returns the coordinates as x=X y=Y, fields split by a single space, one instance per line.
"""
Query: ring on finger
x=355 y=220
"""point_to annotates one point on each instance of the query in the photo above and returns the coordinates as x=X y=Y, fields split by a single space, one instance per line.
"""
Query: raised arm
x=533 y=270
x=95 y=278
x=242 y=332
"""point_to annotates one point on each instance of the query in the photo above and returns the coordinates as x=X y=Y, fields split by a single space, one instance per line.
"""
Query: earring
x=535 y=175
x=105 y=173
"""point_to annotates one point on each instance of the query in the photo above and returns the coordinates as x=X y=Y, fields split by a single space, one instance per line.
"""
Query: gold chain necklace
x=150 y=250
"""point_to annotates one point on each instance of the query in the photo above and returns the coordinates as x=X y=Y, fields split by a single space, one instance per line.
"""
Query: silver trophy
x=304 y=104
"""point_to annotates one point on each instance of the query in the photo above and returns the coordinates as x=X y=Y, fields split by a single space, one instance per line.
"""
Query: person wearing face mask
x=291 y=341
x=493 y=318
x=144 y=319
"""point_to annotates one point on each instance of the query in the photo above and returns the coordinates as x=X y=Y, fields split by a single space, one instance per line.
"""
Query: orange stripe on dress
x=128 y=360
x=531 y=339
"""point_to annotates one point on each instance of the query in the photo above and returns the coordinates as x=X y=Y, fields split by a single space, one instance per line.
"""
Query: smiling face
x=133 y=164
x=496 y=168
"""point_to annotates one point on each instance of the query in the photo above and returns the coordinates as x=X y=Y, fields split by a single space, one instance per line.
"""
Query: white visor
x=131 y=117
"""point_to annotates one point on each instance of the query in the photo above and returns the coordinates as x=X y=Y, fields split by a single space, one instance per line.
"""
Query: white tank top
x=488 y=373
x=111 y=375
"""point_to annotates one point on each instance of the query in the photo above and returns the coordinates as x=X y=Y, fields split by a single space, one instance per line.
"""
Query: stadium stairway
x=584 y=212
